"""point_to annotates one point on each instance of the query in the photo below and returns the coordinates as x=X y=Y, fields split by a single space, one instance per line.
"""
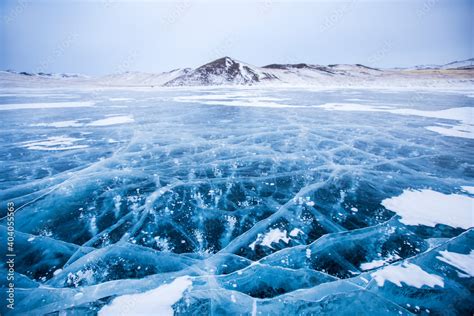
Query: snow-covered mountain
x=45 y=75
x=228 y=71
x=463 y=64
x=223 y=71
x=422 y=67
x=335 y=69
x=133 y=78
x=10 y=78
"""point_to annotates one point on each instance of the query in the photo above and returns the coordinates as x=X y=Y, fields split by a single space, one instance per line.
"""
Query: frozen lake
x=244 y=201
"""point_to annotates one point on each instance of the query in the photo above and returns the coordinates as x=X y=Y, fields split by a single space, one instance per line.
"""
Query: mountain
x=423 y=67
x=293 y=66
x=128 y=78
x=229 y=71
x=464 y=64
x=10 y=79
x=332 y=69
x=300 y=66
x=135 y=78
x=223 y=71
x=460 y=65
x=46 y=75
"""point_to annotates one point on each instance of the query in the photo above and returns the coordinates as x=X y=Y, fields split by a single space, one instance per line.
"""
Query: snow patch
x=465 y=115
x=462 y=262
x=231 y=99
x=408 y=273
x=295 y=232
x=53 y=105
x=427 y=207
x=158 y=301
x=59 y=124
x=275 y=235
x=372 y=265
x=378 y=263
x=464 y=131
x=468 y=189
x=110 y=120
x=354 y=107
x=120 y=99
x=113 y=120
x=54 y=143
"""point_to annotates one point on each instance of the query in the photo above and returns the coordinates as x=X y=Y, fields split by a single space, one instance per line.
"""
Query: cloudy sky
x=98 y=37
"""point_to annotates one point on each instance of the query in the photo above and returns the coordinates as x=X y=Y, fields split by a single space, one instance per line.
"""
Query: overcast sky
x=98 y=37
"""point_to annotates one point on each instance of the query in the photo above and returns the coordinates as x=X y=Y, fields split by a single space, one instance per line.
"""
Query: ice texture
x=238 y=201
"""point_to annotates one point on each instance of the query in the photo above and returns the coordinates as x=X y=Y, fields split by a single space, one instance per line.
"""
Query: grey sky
x=98 y=37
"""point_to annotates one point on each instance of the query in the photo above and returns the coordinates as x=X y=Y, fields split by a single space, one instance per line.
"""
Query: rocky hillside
x=223 y=71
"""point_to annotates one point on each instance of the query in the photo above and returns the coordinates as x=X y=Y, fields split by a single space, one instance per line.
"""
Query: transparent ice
x=268 y=202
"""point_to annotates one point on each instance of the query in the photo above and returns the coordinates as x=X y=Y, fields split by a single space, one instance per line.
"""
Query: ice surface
x=464 y=114
x=240 y=100
x=287 y=202
x=456 y=295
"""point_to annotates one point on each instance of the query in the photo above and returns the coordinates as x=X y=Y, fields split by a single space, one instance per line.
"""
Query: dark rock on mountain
x=223 y=71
